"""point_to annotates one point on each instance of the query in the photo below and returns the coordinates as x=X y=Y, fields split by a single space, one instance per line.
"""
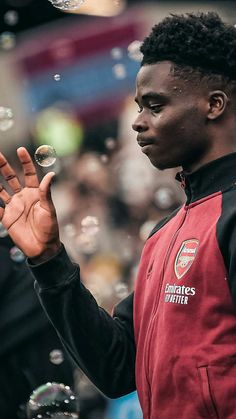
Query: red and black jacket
x=174 y=339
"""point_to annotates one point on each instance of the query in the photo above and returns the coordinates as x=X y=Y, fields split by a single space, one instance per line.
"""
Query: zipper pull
x=182 y=183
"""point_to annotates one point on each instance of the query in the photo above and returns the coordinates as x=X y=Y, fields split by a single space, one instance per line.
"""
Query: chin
x=162 y=165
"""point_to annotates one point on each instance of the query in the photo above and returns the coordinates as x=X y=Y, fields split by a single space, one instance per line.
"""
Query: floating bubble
x=119 y=71
x=92 y=165
x=164 y=197
x=7 y=40
x=110 y=143
x=116 y=53
x=52 y=400
x=57 y=77
x=70 y=230
x=56 y=357
x=17 y=255
x=86 y=244
x=62 y=48
x=146 y=229
x=121 y=290
x=6 y=118
x=134 y=51
x=104 y=158
x=11 y=17
x=45 y=155
x=3 y=231
x=90 y=225
x=67 y=4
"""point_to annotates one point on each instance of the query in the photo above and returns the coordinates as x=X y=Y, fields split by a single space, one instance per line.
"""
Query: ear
x=217 y=104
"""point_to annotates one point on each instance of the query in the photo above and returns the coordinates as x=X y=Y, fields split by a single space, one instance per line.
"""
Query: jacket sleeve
x=102 y=345
x=6 y=267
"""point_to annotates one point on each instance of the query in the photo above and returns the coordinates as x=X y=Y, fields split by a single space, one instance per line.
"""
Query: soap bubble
x=57 y=77
x=56 y=356
x=67 y=4
x=116 y=53
x=70 y=230
x=104 y=158
x=121 y=290
x=110 y=143
x=134 y=51
x=11 y=17
x=7 y=40
x=6 y=118
x=164 y=197
x=3 y=231
x=119 y=71
x=17 y=255
x=90 y=225
x=87 y=241
x=45 y=155
x=52 y=400
x=62 y=48
x=86 y=244
x=146 y=229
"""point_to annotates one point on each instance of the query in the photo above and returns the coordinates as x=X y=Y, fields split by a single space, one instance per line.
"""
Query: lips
x=143 y=142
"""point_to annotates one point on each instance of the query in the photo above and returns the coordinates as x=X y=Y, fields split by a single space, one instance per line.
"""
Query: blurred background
x=67 y=80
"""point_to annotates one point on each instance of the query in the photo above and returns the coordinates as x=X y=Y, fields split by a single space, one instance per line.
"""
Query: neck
x=212 y=155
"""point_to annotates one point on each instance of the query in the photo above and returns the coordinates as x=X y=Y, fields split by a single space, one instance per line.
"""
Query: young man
x=174 y=339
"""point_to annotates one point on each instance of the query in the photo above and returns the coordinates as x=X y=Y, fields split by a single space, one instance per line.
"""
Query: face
x=172 y=122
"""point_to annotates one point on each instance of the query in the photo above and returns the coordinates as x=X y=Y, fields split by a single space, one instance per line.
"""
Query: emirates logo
x=185 y=257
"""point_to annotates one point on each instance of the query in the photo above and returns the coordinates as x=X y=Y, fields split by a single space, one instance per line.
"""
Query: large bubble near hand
x=45 y=155
x=67 y=4
x=52 y=400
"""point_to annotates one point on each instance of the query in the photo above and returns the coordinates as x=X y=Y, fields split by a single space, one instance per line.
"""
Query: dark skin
x=182 y=126
x=29 y=214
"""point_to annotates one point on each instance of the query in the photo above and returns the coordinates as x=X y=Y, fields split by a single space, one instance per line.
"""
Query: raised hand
x=29 y=214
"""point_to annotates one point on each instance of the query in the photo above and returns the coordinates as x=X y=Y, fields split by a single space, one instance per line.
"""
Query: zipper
x=183 y=181
x=151 y=324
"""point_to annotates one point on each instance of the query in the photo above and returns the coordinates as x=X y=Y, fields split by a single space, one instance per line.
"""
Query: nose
x=139 y=125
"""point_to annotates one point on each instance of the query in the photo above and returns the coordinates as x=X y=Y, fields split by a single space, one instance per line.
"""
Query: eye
x=155 y=108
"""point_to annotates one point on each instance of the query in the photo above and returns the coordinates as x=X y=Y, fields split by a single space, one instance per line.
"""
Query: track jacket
x=174 y=339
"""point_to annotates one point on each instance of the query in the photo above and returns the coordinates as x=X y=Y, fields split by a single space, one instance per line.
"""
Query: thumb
x=45 y=192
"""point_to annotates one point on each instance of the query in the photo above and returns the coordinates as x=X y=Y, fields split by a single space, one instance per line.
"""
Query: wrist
x=46 y=255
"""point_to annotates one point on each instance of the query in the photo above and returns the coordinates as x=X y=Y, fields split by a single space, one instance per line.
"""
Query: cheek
x=185 y=123
x=166 y=125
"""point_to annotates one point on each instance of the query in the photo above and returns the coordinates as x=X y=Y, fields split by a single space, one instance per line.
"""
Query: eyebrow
x=151 y=95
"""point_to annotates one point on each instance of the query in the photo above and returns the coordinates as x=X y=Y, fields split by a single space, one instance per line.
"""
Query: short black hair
x=199 y=43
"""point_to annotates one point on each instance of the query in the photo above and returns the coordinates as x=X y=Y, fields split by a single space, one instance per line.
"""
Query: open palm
x=29 y=214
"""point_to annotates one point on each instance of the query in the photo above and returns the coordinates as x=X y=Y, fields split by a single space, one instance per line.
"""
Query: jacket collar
x=213 y=177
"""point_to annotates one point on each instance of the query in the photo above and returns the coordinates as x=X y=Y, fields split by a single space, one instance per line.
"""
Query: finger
x=9 y=174
x=4 y=195
x=45 y=192
x=31 y=178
